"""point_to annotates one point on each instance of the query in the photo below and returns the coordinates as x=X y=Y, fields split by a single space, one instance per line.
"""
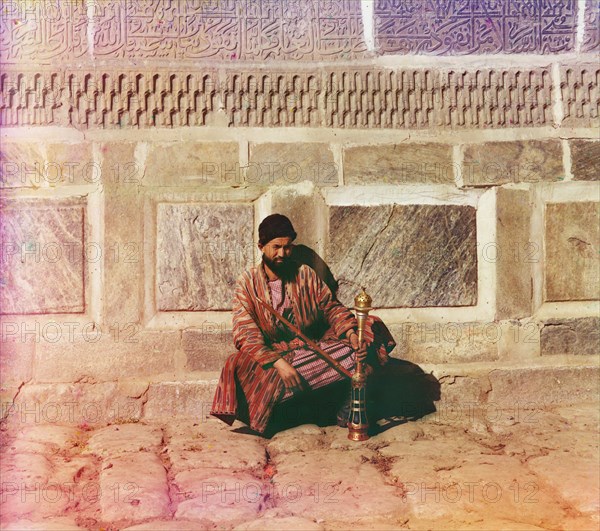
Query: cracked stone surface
x=429 y=252
x=510 y=469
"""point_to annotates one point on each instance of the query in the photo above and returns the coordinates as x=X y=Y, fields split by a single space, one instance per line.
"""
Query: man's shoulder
x=306 y=271
x=247 y=275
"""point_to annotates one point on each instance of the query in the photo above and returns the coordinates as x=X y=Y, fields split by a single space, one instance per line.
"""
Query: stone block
x=201 y=250
x=572 y=238
x=514 y=254
x=193 y=164
x=142 y=491
x=16 y=357
x=71 y=163
x=399 y=163
x=124 y=438
x=289 y=163
x=338 y=497
x=571 y=336
x=180 y=399
x=496 y=163
x=275 y=523
x=123 y=245
x=48 y=524
x=575 y=478
x=77 y=404
x=520 y=339
x=460 y=392
x=406 y=255
x=446 y=342
x=106 y=353
x=473 y=28
x=43 y=256
x=21 y=164
x=585 y=155
x=207 y=349
x=542 y=386
x=34 y=165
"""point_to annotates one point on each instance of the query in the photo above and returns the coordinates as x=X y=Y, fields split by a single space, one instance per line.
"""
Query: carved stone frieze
x=347 y=98
x=44 y=31
x=580 y=93
x=461 y=27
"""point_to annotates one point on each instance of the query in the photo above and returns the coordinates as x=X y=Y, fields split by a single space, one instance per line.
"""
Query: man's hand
x=361 y=351
x=288 y=374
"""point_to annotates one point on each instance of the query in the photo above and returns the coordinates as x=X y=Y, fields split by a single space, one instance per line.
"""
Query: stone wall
x=443 y=156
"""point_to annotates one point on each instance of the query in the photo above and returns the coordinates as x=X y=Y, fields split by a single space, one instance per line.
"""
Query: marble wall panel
x=201 y=249
x=405 y=255
x=585 y=160
x=43 y=257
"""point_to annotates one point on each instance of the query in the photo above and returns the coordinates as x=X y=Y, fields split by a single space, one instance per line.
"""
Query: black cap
x=275 y=226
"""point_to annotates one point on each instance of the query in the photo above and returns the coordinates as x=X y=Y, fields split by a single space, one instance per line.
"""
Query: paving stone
x=169 y=525
x=496 y=481
x=124 y=438
x=220 y=454
x=133 y=487
x=575 y=478
x=223 y=505
x=289 y=523
x=54 y=524
x=62 y=436
x=29 y=471
x=299 y=439
x=213 y=444
x=335 y=485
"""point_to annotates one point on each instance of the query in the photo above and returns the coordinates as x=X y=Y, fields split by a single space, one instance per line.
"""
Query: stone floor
x=512 y=470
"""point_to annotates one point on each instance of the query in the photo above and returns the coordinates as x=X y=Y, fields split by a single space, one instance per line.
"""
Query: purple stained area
x=461 y=27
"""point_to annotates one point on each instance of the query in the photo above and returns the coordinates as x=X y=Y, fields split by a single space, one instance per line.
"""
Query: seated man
x=271 y=365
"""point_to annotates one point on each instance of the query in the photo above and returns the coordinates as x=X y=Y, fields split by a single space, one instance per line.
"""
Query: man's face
x=276 y=254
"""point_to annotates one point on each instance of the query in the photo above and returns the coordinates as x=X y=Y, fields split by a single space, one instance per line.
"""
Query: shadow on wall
x=305 y=255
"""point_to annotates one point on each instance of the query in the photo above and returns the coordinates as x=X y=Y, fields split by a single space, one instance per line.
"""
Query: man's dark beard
x=284 y=270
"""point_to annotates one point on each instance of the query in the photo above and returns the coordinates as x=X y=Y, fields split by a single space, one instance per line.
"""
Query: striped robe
x=261 y=340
